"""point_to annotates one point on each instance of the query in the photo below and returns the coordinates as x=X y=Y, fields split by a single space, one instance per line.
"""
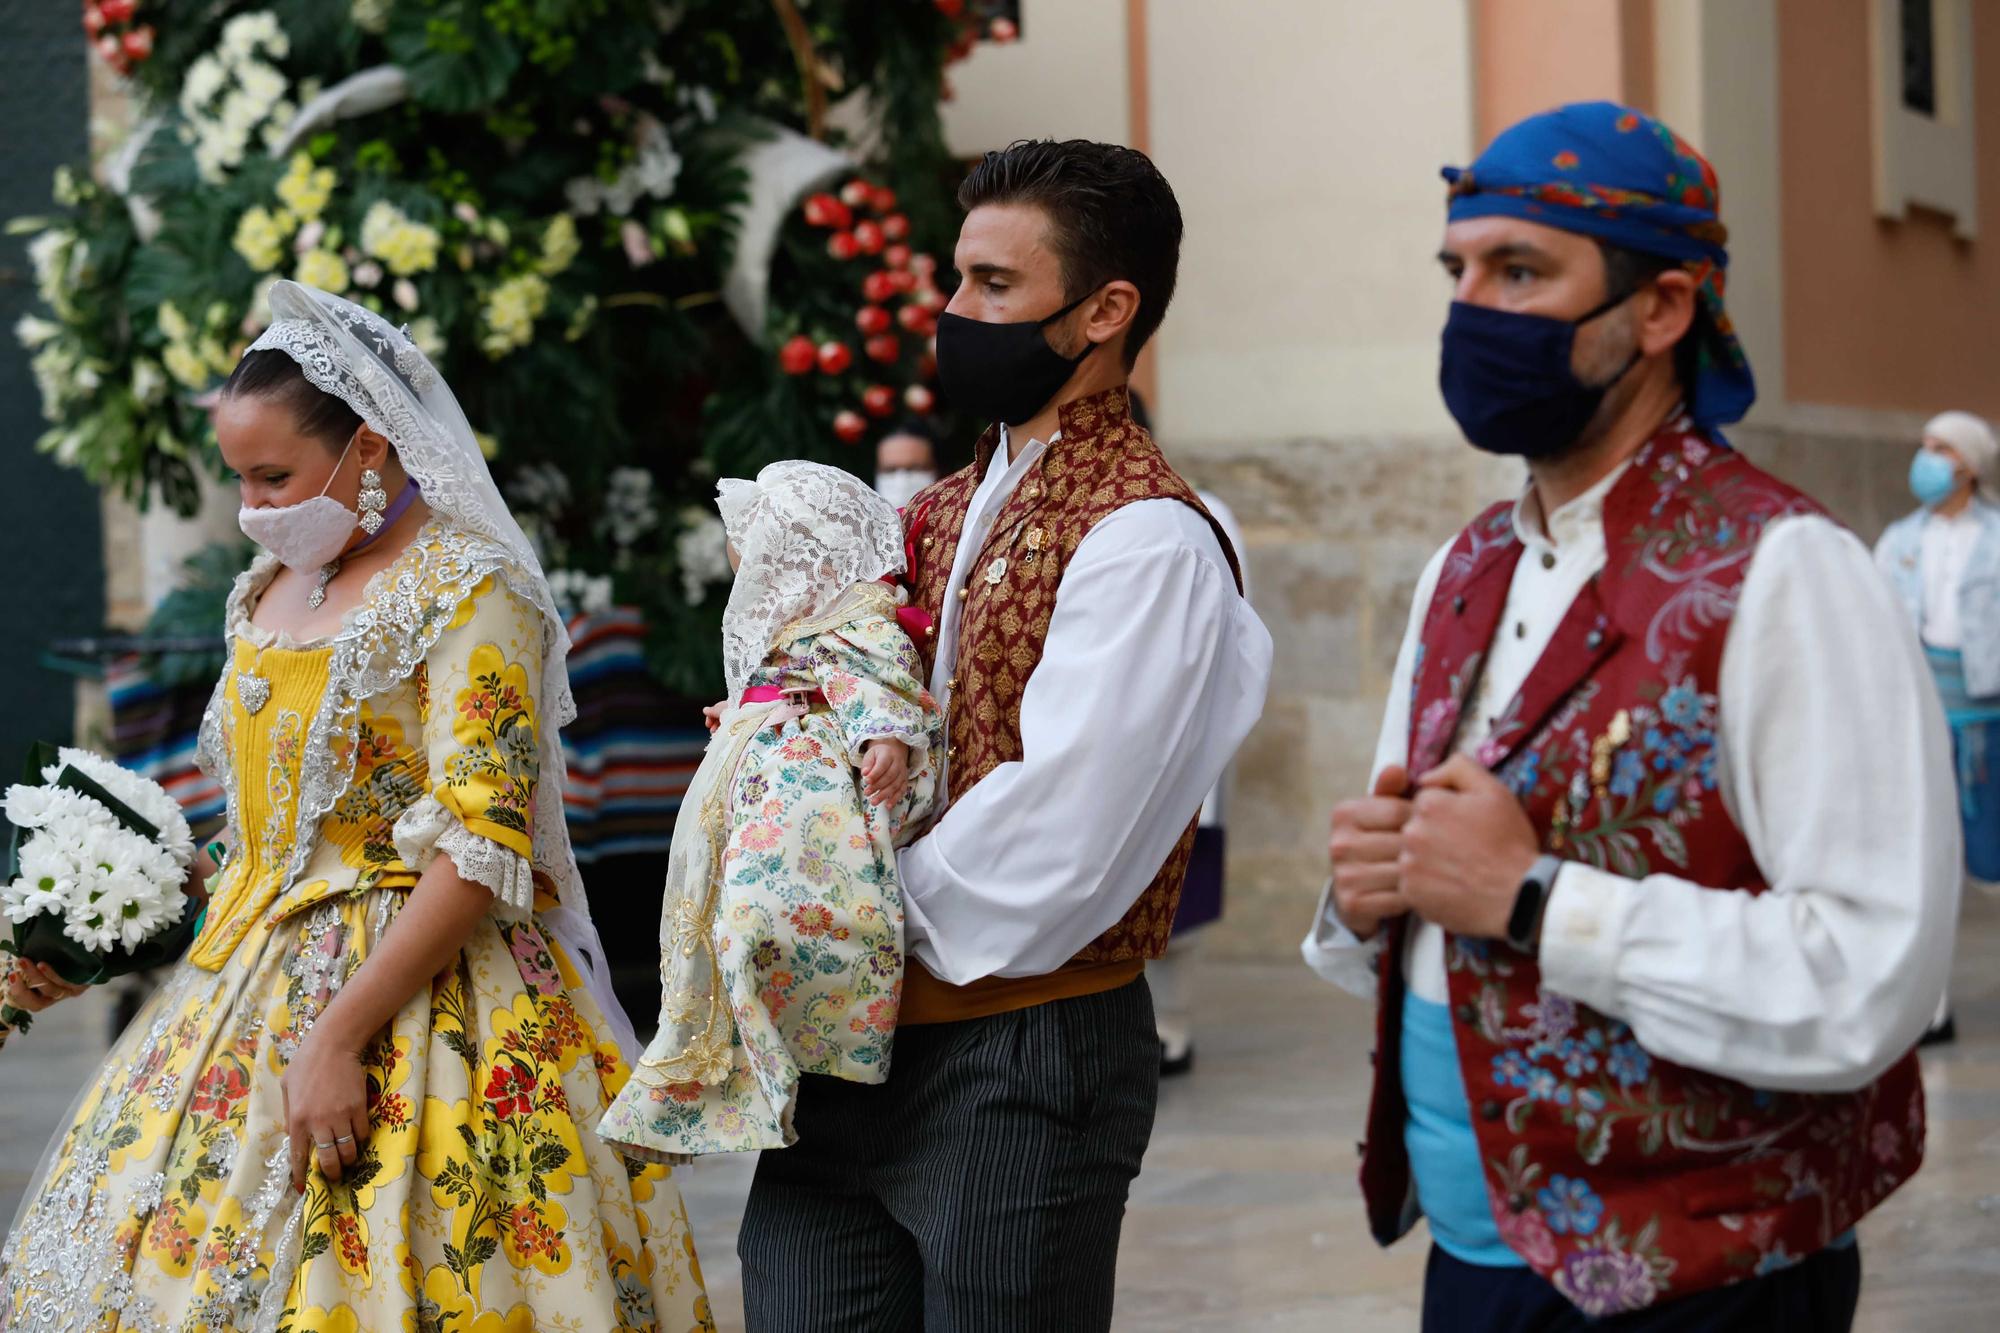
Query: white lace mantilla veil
x=360 y=358
x=805 y=533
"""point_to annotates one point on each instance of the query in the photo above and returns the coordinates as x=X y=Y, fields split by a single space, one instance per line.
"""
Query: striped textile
x=982 y=1187
x=629 y=765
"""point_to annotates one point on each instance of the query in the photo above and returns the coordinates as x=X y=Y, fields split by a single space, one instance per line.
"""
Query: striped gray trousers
x=981 y=1187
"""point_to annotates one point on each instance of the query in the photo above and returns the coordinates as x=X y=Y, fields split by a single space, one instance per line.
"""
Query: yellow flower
x=559 y=245
x=322 y=269
x=488 y=446
x=260 y=239
x=406 y=247
x=510 y=312
x=186 y=365
x=306 y=189
x=173 y=324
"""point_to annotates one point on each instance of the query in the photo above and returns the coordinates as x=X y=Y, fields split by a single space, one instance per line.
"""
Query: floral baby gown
x=782 y=929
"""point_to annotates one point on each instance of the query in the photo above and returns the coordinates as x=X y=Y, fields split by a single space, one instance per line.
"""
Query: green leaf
x=317 y=1244
x=480 y=1249
x=456 y=59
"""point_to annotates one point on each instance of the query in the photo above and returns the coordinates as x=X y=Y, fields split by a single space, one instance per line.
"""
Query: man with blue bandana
x=1658 y=871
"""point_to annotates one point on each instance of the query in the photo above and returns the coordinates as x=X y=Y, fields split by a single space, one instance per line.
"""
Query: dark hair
x=1111 y=215
x=920 y=427
x=272 y=375
x=1626 y=271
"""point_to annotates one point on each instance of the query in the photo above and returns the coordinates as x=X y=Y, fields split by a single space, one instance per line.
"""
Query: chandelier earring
x=372 y=501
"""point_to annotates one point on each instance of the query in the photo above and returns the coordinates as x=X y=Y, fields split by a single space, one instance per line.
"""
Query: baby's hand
x=885 y=771
x=713 y=715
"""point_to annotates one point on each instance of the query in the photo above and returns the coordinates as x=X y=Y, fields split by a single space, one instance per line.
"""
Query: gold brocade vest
x=1101 y=462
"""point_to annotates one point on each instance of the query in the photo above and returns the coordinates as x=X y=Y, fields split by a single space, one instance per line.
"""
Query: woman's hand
x=885 y=771
x=35 y=986
x=326 y=1108
x=713 y=715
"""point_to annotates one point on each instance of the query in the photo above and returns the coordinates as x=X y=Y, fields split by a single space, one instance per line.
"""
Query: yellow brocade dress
x=479 y=1202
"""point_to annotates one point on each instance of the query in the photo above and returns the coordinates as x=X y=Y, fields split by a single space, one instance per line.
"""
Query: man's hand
x=1367 y=849
x=885 y=771
x=1466 y=849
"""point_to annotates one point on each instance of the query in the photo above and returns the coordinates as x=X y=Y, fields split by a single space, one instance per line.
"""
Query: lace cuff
x=427 y=828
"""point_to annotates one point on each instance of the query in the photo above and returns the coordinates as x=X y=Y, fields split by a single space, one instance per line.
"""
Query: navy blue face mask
x=1506 y=377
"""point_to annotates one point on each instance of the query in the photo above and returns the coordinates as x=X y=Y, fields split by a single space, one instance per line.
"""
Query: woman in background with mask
x=1944 y=561
x=905 y=462
x=359 y=1101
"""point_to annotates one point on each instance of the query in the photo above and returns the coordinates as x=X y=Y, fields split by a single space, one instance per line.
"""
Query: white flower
x=368 y=273
x=262 y=87
x=145 y=797
x=371 y=16
x=429 y=340
x=628 y=506
x=405 y=293
x=32 y=331
x=149 y=382
x=702 y=551
x=541 y=488
x=204 y=79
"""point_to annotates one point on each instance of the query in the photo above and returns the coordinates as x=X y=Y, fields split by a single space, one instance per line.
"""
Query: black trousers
x=1816 y=1296
x=982 y=1187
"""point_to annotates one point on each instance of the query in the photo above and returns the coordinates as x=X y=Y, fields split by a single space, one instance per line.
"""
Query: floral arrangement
x=550 y=195
x=99 y=860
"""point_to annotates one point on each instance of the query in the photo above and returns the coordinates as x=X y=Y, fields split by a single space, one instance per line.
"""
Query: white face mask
x=900 y=486
x=305 y=537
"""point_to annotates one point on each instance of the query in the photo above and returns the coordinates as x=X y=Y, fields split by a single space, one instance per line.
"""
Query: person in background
x=905 y=461
x=1944 y=562
x=1172 y=976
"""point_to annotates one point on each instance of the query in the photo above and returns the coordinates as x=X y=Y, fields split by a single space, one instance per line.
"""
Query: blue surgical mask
x=1506 y=377
x=1932 y=478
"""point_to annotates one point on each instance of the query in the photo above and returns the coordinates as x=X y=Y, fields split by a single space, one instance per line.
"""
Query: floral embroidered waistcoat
x=1102 y=462
x=1622 y=1178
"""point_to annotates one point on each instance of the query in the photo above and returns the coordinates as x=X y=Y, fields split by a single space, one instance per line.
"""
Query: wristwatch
x=1524 y=923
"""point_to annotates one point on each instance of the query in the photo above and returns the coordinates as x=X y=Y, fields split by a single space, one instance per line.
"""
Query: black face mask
x=1506 y=377
x=1003 y=372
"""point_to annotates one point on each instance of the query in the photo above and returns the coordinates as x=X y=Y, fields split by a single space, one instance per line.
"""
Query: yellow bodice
x=273 y=695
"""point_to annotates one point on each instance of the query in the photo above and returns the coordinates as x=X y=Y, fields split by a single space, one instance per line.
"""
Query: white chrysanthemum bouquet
x=99 y=858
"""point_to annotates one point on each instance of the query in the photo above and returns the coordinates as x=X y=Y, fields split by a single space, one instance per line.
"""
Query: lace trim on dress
x=428 y=828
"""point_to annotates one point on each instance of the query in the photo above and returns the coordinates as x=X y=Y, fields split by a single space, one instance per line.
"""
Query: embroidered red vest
x=1622 y=1178
x=1103 y=461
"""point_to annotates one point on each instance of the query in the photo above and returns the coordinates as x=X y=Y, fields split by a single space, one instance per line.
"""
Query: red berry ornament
x=848 y=426
x=878 y=287
x=856 y=193
x=834 y=357
x=878 y=400
x=873 y=319
x=919 y=399
x=896 y=227
x=823 y=210
x=841 y=245
x=797 y=356
x=913 y=318
x=884 y=199
x=139 y=43
x=117 y=11
x=885 y=348
x=1003 y=31
x=868 y=235
x=93 y=21
x=951 y=9
x=897 y=257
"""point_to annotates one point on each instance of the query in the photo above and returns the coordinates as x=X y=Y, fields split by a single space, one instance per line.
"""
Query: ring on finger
x=324 y=1147
x=343 y=1140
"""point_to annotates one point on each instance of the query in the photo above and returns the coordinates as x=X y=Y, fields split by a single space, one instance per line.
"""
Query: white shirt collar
x=1579 y=520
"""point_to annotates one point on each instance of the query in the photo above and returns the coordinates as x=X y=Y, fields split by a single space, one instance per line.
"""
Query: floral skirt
x=478 y=1204
x=803 y=919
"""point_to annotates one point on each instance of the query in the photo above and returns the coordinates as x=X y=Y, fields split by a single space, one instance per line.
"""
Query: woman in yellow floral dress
x=359 y=1104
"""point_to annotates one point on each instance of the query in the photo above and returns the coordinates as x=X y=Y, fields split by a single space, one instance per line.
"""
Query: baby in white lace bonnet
x=782 y=929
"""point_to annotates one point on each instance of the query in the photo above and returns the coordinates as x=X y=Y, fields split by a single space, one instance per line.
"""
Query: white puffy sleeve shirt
x=1835 y=764
x=1154 y=671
